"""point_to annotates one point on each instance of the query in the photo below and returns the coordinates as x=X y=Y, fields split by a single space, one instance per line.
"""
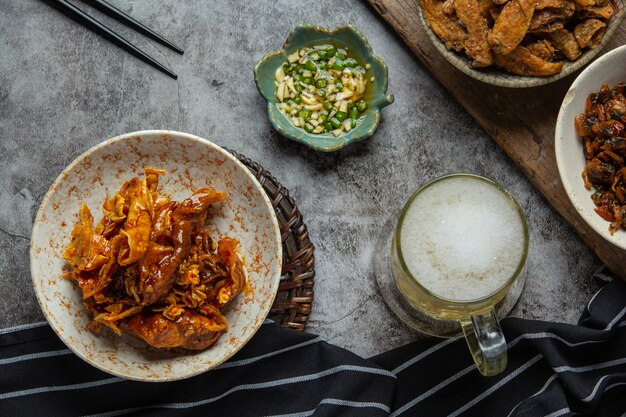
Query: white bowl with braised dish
x=590 y=145
x=155 y=255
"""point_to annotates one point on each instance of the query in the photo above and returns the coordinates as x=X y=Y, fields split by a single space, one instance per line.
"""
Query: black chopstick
x=117 y=14
x=84 y=19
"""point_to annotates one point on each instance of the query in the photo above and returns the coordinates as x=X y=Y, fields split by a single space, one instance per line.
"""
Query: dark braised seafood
x=151 y=269
x=603 y=133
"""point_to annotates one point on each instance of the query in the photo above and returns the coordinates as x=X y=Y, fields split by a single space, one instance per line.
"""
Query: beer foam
x=462 y=238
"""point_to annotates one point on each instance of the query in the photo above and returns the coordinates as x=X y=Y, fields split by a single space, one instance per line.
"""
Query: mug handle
x=486 y=342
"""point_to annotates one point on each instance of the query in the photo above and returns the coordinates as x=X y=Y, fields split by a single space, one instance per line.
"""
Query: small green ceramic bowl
x=358 y=47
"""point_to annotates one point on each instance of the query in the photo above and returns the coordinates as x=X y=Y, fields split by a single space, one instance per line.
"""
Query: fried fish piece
x=550 y=20
x=546 y=21
x=594 y=12
x=551 y=15
x=585 y=3
x=476 y=45
x=485 y=6
x=589 y=33
x=565 y=42
x=549 y=27
x=448 y=7
x=447 y=28
x=522 y=62
x=511 y=26
x=543 y=49
x=556 y=5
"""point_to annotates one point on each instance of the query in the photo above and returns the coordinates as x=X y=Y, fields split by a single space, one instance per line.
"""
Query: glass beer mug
x=458 y=251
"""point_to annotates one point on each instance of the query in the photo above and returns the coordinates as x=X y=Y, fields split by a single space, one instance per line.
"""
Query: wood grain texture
x=520 y=121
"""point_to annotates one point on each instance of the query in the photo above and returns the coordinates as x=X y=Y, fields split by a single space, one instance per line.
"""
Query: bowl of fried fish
x=520 y=43
x=155 y=255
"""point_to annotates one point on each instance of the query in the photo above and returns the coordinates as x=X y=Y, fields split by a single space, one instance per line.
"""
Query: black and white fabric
x=554 y=370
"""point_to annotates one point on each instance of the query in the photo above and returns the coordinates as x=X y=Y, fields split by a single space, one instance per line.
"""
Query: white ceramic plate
x=191 y=163
x=609 y=69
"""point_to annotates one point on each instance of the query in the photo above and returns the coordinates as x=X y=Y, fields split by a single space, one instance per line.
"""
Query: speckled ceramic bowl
x=358 y=48
x=191 y=163
x=502 y=78
x=570 y=159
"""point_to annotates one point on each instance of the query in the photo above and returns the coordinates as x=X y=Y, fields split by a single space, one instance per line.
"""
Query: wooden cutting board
x=520 y=121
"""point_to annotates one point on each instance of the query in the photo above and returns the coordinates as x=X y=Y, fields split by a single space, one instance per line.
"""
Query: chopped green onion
x=320 y=83
x=354 y=113
x=335 y=123
x=330 y=52
x=315 y=56
x=361 y=105
x=298 y=100
x=341 y=116
x=310 y=65
x=349 y=62
x=327 y=105
x=338 y=65
x=304 y=113
x=341 y=54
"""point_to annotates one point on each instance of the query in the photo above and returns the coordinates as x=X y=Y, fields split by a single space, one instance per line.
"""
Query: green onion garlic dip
x=320 y=89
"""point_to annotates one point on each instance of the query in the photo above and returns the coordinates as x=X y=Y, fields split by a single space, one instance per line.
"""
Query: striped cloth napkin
x=554 y=370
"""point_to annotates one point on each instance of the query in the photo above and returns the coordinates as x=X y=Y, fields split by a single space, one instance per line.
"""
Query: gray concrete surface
x=63 y=89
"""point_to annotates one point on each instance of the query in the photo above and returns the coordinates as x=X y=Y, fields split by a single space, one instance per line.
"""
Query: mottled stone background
x=63 y=89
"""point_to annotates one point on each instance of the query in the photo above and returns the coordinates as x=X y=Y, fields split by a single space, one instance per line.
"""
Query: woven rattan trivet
x=295 y=292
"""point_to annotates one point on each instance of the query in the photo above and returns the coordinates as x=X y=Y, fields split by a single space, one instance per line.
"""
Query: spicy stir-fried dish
x=149 y=267
x=604 y=144
x=524 y=37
